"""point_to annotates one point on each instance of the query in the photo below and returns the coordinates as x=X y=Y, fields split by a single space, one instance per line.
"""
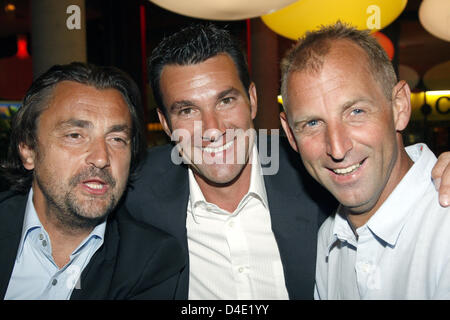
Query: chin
x=222 y=176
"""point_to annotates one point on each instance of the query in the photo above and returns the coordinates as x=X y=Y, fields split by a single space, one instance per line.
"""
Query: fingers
x=441 y=178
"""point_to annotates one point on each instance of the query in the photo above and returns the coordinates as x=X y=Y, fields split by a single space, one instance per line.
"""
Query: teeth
x=347 y=170
x=218 y=149
x=92 y=185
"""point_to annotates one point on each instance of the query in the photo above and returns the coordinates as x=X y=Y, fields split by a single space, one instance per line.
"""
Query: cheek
x=121 y=166
x=183 y=131
x=311 y=148
x=375 y=135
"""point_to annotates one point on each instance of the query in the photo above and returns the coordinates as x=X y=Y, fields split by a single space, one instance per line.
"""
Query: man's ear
x=401 y=104
x=27 y=155
x=164 y=122
x=253 y=100
x=287 y=129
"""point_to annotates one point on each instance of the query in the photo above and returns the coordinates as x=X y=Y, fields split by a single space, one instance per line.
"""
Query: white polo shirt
x=402 y=252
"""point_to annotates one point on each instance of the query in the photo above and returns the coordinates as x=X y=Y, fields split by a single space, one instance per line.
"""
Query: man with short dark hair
x=75 y=140
x=242 y=228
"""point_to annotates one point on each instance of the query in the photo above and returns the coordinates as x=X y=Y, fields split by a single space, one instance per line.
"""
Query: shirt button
x=231 y=224
x=44 y=243
x=241 y=269
x=54 y=282
x=41 y=236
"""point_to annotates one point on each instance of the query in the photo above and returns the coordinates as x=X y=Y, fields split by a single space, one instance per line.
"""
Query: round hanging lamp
x=222 y=9
x=434 y=15
x=307 y=15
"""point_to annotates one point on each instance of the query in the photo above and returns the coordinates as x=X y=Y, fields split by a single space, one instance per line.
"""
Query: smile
x=218 y=149
x=348 y=170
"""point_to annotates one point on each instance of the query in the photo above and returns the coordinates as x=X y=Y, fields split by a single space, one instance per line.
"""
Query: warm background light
x=222 y=9
x=294 y=20
x=434 y=15
x=9 y=7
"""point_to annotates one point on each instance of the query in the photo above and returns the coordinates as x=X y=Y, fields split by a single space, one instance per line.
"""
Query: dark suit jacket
x=136 y=261
x=298 y=206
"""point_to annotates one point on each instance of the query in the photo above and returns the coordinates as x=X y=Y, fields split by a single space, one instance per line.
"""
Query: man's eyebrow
x=226 y=92
x=74 y=123
x=186 y=103
x=120 y=128
x=351 y=103
x=180 y=104
x=77 y=123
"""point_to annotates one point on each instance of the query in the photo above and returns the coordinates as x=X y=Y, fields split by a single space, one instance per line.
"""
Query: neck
x=226 y=196
x=400 y=168
x=64 y=238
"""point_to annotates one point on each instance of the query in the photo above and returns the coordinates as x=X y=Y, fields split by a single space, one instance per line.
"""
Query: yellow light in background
x=439 y=102
x=10 y=7
x=438 y=93
x=306 y=15
x=154 y=126
x=280 y=99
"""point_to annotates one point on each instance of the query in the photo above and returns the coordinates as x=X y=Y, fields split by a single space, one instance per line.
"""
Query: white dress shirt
x=402 y=252
x=233 y=255
x=35 y=274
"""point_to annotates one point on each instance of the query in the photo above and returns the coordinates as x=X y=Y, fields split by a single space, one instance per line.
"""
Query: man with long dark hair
x=75 y=141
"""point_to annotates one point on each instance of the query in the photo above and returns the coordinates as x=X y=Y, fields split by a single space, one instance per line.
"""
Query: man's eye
x=357 y=111
x=312 y=123
x=74 y=135
x=185 y=111
x=227 y=100
x=120 y=140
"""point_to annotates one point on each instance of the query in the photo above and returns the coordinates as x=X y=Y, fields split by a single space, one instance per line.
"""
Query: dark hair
x=24 y=122
x=192 y=45
x=309 y=53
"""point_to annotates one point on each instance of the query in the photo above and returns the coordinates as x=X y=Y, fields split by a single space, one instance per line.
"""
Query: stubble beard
x=69 y=211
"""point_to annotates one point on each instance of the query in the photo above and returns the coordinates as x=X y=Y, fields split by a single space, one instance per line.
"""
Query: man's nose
x=212 y=126
x=98 y=154
x=338 y=142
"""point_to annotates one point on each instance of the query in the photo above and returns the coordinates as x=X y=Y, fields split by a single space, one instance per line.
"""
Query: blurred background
x=35 y=34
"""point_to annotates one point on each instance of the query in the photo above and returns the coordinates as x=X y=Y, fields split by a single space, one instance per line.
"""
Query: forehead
x=78 y=101
x=346 y=71
x=211 y=74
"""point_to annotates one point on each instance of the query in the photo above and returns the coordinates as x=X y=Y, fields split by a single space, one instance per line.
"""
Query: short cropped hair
x=310 y=51
x=25 y=121
x=191 y=45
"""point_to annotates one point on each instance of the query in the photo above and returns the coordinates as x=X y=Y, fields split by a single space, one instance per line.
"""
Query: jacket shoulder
x=6 y=196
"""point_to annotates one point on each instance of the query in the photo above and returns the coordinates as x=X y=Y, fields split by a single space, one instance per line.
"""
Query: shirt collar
x=31 y=222
x=341 y=230
x=390 y=218
x=257 y=188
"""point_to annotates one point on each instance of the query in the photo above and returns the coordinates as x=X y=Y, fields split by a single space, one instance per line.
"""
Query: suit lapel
x=296 y=239
x=160 y=197
x=12 y=212
x=173 y=197
x=294 y=221
x=97 y=275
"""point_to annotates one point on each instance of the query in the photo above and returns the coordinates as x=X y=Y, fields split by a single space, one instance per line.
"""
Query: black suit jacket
x=136 y=261
x=298 y=206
